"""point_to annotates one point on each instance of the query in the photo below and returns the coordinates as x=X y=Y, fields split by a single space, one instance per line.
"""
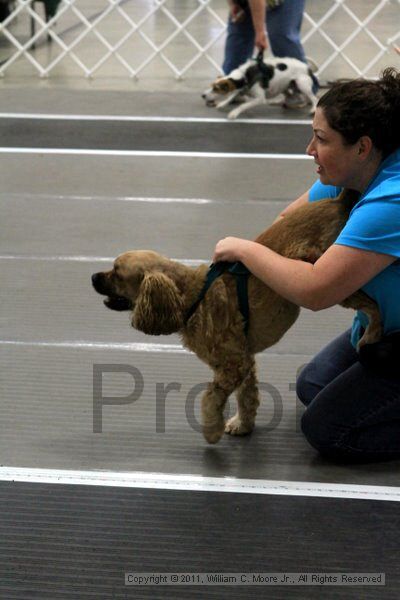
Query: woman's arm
x=303 y=199
x=339 y=272
x=258 y=9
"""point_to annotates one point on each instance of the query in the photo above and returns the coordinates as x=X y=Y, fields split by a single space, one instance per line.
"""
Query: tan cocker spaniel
x=160 y=292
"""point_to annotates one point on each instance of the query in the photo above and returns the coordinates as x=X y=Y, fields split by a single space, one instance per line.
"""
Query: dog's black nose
x=98 y=282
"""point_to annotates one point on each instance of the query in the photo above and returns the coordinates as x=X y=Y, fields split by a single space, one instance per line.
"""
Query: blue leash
x=241 y=274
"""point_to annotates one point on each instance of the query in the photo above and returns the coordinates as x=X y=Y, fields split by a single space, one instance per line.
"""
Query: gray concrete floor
x=66 y=216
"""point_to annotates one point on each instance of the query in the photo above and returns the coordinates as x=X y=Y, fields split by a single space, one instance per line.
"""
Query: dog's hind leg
x=304 y=84
x=361 y=301
x=213 y=402
x=248 y=402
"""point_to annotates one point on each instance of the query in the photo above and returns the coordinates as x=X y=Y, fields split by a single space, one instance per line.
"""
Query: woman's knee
x=311 y=430
x=305 y=387
x=318 y=433
x=324 y=433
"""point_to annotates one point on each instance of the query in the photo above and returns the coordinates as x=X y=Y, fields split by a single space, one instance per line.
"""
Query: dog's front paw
x=233 y=115
x=213 y=430
x=213 y=435
x=236 y=427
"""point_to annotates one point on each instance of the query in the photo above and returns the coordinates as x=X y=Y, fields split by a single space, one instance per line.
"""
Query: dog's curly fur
x=159 y=292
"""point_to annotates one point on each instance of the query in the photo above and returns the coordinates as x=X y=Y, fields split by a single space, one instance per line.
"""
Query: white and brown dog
x=260 y=80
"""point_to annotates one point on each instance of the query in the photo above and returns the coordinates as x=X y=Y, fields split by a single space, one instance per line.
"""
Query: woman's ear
x=159 y=306
x=365 y=146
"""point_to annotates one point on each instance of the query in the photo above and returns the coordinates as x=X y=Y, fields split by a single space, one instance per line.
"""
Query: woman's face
x=337 y=162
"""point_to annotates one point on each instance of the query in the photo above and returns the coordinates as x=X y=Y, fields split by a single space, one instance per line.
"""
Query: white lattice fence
x=184 y=38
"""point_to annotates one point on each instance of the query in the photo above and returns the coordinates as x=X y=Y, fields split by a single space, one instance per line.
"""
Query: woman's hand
x=231 y=249
x=261 y=40
x=237 y=13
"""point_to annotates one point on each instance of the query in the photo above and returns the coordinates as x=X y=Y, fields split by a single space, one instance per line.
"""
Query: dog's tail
x=315 y=80
x=312 y=65
x=312 y=69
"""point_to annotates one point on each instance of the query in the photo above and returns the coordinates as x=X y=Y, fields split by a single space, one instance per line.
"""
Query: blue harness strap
x=241 y=274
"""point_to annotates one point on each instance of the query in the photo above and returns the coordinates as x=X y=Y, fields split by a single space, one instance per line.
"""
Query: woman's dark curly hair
x=362 y=107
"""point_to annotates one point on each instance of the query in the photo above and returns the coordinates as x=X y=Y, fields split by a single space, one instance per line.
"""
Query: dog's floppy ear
x=159 y=306
x=224 y=85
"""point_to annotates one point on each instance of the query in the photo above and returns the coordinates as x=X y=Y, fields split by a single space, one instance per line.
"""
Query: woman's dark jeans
x=352 y=414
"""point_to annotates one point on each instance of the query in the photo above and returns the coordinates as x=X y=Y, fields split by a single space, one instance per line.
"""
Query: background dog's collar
x=265 y=69
x=260 y=57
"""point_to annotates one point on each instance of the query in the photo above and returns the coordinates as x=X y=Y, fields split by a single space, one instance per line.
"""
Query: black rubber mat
x=66 y=541
x=227 y=137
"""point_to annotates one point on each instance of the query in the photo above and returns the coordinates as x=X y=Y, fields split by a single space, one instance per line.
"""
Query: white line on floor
x=58 y=258
x=186 y=261
x=11 y=196
x=143 y=199
x=155 y=119
x=163 y=481
x=149 y=153
x=82 y=344
x=122 y=346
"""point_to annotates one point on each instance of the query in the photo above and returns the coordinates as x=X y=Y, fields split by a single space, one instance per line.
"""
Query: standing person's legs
x=239 y=45
x=352 y=413
x=283 y=26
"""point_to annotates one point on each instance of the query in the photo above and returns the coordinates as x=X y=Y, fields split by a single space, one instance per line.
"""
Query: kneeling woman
x=353 y=411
